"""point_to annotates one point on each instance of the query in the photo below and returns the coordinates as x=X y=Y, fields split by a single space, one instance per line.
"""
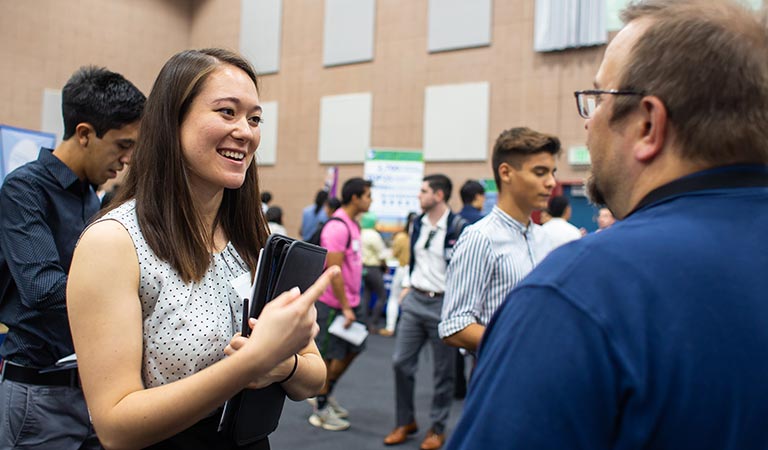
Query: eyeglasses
x=429 y=238
x=587 y=101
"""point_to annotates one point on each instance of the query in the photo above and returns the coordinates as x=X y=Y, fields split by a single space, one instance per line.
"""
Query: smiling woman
x=221 y=131
x=159 y=266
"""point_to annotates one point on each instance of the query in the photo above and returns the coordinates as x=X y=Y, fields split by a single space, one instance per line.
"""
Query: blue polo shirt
x=43 y=209
x=650 y=334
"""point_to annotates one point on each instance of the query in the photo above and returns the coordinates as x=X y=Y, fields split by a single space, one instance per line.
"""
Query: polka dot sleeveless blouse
x=186 y=325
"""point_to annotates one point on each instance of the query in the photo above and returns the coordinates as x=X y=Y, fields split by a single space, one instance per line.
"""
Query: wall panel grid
x=456 y=122
x=266 y=154
x=51 y=119
x=345 y=128
x=348 y=31
x=561 y=24
x=260 y=27
x=456 y=24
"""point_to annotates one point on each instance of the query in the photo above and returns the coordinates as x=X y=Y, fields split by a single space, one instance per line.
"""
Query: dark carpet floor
x=367 y=391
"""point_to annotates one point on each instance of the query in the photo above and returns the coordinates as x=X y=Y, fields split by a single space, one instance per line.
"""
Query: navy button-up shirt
x=43 y=209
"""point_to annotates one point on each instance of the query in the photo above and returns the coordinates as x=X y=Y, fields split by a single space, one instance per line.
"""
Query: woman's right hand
x=279 y=372
x=288 y=323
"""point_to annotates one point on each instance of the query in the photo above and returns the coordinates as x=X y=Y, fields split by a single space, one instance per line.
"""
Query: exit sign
x=578 y=156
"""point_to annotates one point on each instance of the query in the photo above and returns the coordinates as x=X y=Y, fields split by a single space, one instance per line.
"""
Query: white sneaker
x=341 y=412
x=327 y=419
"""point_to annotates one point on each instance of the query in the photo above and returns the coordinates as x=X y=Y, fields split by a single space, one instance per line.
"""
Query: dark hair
x=354 y=187
x=275 y=214
x=409 y=221
x=104 y=99
x=266 y=197
x=333 y=204
x=515 y=144
x=470 y=190
x=706 y=61
x=557 y=205
x=157 y=176
x=320 y=200
x=440 y=182
x=109 y=195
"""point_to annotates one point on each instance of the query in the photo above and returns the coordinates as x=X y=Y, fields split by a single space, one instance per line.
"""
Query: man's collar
x=511 y=220
x=737 y=176
x=60 y=171
x=442 y=222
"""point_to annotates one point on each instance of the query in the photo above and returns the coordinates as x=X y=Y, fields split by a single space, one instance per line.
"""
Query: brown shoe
x=433 y=441
x=400 y=434
x=385 y=332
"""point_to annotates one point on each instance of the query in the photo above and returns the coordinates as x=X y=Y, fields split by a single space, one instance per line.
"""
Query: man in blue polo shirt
x=650 y=334
x=45 y=206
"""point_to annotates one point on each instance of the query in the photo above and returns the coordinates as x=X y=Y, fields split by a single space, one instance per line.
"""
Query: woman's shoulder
x=115 y=227
x=124 y=212
x=108 y=239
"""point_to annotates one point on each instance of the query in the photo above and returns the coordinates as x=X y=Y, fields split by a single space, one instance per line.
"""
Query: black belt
x=28 y=375
x=429 y=294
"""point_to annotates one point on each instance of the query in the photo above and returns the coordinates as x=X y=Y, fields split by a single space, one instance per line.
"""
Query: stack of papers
x=355 y=334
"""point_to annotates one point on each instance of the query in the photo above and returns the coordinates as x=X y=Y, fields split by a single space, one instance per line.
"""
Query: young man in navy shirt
x=45 y=206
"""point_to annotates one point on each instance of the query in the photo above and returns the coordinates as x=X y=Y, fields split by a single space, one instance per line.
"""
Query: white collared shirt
x=429 y=264
x=560 y=231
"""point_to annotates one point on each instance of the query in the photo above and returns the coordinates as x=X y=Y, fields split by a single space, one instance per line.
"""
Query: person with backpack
x=435 y=233
x=341 y=237
x=331 y=205
x=314 y=215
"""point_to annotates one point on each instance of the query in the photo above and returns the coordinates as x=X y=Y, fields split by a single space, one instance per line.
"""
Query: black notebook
x=283 y=264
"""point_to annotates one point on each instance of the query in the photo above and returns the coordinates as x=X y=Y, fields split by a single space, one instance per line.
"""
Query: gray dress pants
x=419 y=317
x=44 y=417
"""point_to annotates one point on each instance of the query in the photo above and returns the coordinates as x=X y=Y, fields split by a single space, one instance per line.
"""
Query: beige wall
x=44 y=41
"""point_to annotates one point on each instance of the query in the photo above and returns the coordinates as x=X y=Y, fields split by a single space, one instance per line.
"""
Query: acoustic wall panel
x=348 y=31
x=266 y=155
x=455 y=24
x=456 y=122
x=345 y=128
x=561 y=24
x=260 y=25
x=51 y=120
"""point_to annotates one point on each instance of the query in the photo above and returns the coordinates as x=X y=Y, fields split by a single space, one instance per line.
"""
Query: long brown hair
x=157 y=177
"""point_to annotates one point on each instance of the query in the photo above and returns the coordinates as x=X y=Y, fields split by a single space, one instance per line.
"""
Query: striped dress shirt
x=490 y=258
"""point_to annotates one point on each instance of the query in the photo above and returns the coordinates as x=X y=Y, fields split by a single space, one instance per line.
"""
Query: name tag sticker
x=242 y=285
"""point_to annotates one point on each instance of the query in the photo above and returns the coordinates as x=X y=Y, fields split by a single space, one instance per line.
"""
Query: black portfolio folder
x=284 y=263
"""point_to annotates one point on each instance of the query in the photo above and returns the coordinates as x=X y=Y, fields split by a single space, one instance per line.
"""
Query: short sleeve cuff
x=453 y=325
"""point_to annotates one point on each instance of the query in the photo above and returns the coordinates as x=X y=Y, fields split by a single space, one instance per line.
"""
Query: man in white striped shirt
x=494 y=254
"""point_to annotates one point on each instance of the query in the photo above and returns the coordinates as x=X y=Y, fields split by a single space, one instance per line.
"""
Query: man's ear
x=505 y=172
x=440 y=195
x=654 y=132
x=84 y=132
